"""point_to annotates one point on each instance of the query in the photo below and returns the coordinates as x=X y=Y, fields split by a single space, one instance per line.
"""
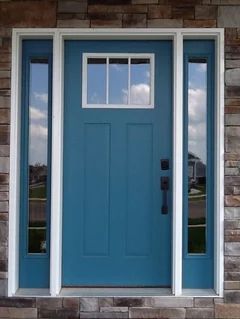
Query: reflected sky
x=38 y=113
x=118 y=77
x=197 y=104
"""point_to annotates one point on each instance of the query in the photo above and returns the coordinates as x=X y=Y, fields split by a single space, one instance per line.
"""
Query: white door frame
x=58 y=36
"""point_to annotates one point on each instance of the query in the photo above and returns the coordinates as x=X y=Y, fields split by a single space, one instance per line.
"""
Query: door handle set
x=164 y=186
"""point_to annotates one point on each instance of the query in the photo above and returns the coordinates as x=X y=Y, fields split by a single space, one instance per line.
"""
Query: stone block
x=4 y=207
x=144 y=1
x=67 y=314
x=117 y=9
x=228 y=16
x=47 y=313
x=232 y=139
x=4 y=150
x=232 y=200
x=114 y=309
x=4 y=116
x=232 y=296
x=203 y=302
x=231 y=171
x=159 y=12
x=89 y=304
x=128 y=302
x=5 y=83
x=3 y=289
x=109 y=2
x=49 y=303
x=72 y=6
x=232 y=77
x=232 y=180
x=71 y=302
x=100 y=23
x=24 y=313
x=197 y=313
x=206 y=12
x=170 y=302
x=232 y=275
x=105 y=302
x=5 y=74
x=4 y=101
x=200 y=23
x=227 y=311
x=232 y=285
x=4 y=134
x=4 y=164
x=183 y=12
x=131 y=20
x=232 y=224
x=3 y=233
x=232 y=64
x=170 y=313
x=232 y=249
x=73 y=23
x=232 y=119
x=165 y=23
x=26 y=13
x=105 y=315
x=18 y=302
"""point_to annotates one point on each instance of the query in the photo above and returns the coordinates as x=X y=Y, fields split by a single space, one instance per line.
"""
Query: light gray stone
x=232 y=212
x=89 y=304
x=105 y=302
x=232 y=77
x=231 y=171
x=232 y=249
x=203 y=302
x=106 y=315
x=4 y=165
x=225 y=311
x=232 y=119
x=4 y=150
x=23 y=313
x=232 y=285
x=114 y=309
x=170 y=302
x=228 y=16
x=232 y=64
x=171 y=313
x=3 y=233
x=197 y=313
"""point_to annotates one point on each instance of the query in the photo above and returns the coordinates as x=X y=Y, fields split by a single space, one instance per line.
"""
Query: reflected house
x=196 y=170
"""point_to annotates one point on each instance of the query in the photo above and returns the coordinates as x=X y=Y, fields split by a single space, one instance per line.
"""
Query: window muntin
x=38 y=155
x=118 y=81
x=197 y=155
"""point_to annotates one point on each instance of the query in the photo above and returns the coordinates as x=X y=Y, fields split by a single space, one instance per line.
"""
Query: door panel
x=113 y=231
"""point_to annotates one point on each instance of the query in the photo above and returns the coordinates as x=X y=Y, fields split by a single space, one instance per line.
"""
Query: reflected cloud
x=36 y=114
x=43 y=97
x=140 y=94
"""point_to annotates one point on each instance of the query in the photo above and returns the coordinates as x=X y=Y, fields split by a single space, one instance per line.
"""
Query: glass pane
x=96 y=81
x=118 y=81
x=197 y=155
x=140 y=81
x=38 y=155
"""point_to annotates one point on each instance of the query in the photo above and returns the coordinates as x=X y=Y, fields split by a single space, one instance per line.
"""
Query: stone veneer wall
x=129 y=13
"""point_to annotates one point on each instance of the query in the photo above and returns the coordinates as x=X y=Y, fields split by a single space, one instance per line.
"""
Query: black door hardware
x=165 y=164
x=164 y=188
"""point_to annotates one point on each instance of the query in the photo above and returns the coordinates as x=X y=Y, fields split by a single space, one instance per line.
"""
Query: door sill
x=116 y=292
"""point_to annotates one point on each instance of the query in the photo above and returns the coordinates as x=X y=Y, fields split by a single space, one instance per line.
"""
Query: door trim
x=58 y=36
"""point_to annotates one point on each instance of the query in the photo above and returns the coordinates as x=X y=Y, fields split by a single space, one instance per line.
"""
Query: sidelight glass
x=197 y=155
x=38 y=156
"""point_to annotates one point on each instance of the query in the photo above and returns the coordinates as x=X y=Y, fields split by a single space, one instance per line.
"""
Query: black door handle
x=164 y=188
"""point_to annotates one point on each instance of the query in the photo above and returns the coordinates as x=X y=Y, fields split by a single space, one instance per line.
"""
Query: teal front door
x=117 y=207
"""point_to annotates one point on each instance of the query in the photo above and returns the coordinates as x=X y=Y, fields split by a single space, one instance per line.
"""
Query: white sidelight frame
x=58 y=36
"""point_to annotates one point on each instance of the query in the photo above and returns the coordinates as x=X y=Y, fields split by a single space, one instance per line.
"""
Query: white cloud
x=38 y=144
x=140 y=94
x=36 y=114
x=197 y=122
x=43 y=97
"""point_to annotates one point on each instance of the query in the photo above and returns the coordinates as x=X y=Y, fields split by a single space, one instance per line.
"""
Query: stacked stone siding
x=128 y=14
